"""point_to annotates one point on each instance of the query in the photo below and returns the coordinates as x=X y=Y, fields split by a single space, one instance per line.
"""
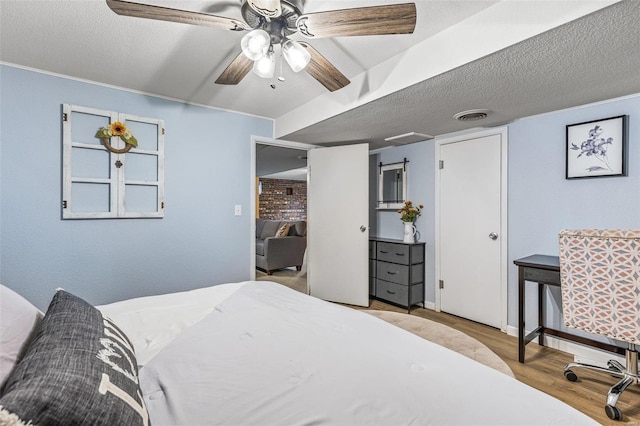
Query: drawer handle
x=399 y=254
x=392 y=272
x=391 y=292
x=383 y=252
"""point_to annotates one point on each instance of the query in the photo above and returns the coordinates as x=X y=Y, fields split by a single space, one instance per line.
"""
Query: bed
x=250 y=353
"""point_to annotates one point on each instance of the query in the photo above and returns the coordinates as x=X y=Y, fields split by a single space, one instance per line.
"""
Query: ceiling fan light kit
x=296 y=56
x=271 y=22
x=255 y=44
x=265 y=66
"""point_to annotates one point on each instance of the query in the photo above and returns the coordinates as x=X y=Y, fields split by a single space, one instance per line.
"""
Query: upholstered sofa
x=274 y=252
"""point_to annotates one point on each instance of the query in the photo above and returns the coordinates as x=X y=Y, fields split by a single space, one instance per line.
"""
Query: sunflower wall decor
x=120 y=130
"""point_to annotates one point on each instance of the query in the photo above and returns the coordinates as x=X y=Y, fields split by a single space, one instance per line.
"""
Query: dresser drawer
x=394 y=293
x=399 y=274
x=393 y=272
x=372 y=268
x=399 y=294
x=391 y=252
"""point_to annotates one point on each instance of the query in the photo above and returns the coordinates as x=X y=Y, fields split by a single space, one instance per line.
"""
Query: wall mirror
x=392 y=185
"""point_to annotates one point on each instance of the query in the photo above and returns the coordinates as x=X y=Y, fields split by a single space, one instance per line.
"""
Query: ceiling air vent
x=472 y=115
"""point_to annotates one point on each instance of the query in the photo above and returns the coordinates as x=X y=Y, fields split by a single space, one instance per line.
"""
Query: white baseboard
x=580 y=352
x=429 y=305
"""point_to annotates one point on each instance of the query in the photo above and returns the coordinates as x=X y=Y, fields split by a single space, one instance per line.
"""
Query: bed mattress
x=258 y=353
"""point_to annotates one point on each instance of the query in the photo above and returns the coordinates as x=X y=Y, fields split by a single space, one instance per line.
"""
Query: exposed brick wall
x=276 y=203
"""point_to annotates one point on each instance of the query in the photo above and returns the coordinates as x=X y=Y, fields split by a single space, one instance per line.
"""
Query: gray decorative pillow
x=269 y=229
x=79 y=369
x=299 y=228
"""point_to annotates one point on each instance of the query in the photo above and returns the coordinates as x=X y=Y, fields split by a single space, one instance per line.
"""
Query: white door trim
x=252 y=190
x=503 y=133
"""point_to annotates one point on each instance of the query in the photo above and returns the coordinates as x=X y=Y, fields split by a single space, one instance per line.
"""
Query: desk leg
x=541 y=314
x=521 y=314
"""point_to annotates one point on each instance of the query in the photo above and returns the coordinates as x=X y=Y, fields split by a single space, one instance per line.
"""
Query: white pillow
x=18 y=319
x=152 y=322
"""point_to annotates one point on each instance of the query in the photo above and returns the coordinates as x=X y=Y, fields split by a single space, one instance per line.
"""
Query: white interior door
x=471 y=230
x=338 y=224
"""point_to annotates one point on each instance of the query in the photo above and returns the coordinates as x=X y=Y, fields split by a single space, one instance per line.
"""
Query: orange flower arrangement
x=409 y=213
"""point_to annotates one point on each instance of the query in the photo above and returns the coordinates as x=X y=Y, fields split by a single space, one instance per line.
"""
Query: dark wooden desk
x=544 y=270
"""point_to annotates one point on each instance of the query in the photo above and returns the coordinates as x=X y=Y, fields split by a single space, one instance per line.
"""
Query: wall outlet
x=238 y=210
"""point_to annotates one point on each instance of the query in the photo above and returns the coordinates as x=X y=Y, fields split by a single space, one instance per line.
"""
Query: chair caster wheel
x=612 y=412
x=570 y=376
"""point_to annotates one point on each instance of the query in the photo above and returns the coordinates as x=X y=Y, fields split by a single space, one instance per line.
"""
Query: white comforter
x=267 y=355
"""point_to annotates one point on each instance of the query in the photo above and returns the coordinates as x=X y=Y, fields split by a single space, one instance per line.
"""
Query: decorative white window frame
x=117 y=180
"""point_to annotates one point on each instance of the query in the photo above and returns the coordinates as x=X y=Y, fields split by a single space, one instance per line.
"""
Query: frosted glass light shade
x=255 y=44
x=266 y=65
x=296 y=56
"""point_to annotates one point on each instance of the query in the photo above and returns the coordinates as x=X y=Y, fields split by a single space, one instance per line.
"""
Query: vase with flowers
x=408 y=215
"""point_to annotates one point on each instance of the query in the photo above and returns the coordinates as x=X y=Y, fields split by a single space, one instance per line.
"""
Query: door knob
x=493 y=236
x=363 y=228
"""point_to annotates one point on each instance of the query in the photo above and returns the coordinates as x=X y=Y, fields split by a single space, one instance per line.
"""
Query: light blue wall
x=541 y=201
x=420 y=190
x=199 y=242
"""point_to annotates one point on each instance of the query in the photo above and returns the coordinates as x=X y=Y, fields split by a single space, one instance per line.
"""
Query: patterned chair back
x=600 y=280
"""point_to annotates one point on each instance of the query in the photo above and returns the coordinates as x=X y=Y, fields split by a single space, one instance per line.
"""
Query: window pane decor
x=99 y=183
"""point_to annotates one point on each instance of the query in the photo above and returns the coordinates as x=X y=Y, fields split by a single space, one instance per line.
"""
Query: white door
x=471 y=230
x=338 y=224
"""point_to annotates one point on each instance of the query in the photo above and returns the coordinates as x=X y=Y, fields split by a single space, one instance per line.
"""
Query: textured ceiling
x=594 y=58
x=588 y=59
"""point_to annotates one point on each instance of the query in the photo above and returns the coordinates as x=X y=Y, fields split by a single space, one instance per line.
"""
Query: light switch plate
x=238 y=210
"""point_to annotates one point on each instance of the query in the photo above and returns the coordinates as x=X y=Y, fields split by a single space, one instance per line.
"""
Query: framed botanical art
x=597 y=148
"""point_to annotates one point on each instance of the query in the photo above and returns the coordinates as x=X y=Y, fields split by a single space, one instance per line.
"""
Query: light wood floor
x=542 y=369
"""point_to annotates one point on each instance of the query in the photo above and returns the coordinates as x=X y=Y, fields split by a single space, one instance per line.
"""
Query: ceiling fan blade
x=374 y=20
x=236 y=70
x=324 y=71
x=268 y=8
x=148 y=11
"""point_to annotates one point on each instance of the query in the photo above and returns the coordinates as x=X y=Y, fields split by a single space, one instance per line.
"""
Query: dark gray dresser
x=396 y=271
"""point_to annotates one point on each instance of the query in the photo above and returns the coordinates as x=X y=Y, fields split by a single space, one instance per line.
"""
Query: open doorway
x=280 y=200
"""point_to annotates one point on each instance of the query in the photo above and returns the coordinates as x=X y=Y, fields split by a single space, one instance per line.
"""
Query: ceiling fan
x=271 y=22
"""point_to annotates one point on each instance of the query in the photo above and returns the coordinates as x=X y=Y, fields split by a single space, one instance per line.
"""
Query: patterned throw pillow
x=283 y=231
x=79 y=369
